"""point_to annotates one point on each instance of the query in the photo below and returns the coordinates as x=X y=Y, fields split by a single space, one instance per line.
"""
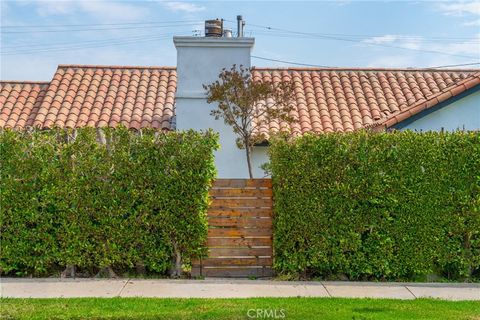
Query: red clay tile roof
x=97 y=96
x=20 y=102
x=327 y=100
x=343 y=100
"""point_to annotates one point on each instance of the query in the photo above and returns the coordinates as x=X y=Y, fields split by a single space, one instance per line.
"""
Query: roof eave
x=463 y=87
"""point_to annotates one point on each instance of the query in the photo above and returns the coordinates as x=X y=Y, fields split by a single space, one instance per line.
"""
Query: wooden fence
x=240 y=230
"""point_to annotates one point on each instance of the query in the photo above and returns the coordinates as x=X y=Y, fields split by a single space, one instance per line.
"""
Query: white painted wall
x=259 y=157
x=460 y=114
x=199 y=61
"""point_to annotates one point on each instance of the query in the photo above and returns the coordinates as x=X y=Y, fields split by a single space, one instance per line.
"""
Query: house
x=170 y=98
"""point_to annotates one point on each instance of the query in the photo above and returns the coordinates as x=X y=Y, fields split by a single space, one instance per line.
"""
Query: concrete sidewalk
x=227 y=288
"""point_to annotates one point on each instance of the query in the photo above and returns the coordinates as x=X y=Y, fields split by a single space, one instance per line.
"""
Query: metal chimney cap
x=227 y=33
x=214 y=28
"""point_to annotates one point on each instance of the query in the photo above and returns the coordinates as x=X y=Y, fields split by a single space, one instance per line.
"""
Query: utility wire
x=128 y=40
x=403 y=37
x=456 y=65
x=97 y=24
x=97 y=29
x=413 y=40
x=80 y=47
x=328 y=37
x=39 y=46
x=356 y=35
x=329 y=67
x=363 y=37
x=290 y=62
x=226 y=20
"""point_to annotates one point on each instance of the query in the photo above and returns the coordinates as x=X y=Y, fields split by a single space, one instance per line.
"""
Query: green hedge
x=130 y=199
x=399 y=205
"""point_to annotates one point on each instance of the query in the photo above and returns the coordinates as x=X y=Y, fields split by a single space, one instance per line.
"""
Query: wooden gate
x=240 y=230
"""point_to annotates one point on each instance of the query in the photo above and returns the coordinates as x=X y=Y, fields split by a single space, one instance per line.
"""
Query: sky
x=37 y=36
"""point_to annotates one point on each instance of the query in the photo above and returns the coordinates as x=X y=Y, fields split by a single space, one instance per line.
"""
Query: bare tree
x=245 y=104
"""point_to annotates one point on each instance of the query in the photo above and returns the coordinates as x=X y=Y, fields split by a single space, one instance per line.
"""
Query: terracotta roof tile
x=93 y=96
x=19 y=102
x=326 y=100
x=329 y=100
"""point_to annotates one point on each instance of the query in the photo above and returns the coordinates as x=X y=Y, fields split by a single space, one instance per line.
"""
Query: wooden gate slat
x=239 y=242
x=238 y=262
x=259 y=193
x=240 y=252
x=240 y=230
x=241 y=203
x=240 y=222
x=239 y=212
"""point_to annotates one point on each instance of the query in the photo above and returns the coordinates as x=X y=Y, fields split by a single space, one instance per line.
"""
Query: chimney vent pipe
x=240 y=25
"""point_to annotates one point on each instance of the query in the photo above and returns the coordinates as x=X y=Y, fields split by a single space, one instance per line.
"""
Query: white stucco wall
x=230 y=161
x=461 y=114
x=259 y=157
x=199 y=61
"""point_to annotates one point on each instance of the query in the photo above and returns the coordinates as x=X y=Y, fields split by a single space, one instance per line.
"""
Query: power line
x=329 y=67
x=456 y=65
x=39 y=46
x=291 y=62
x=97 y=45
x=231 y=21
x=98 y=24
x=328 y=37
x=97 y=29
x=413 y=39
x=358 y=35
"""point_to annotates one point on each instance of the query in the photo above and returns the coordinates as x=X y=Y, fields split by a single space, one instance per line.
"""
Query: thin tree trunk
x=101 y=136
x=467 y=245
x=249 y=161
x=176 y=270
x=140 y=268
x=68 y=272
x=107 y=271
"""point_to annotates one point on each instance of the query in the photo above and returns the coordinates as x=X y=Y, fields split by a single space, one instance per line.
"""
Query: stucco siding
x=199 y=61
x=259 y=157
x=229 y=160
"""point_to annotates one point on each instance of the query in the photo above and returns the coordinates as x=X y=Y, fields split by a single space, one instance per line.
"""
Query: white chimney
x=199 y=62
x=201 y=59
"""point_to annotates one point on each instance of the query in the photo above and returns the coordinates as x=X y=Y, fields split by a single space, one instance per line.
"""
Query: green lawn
x=291 y=308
